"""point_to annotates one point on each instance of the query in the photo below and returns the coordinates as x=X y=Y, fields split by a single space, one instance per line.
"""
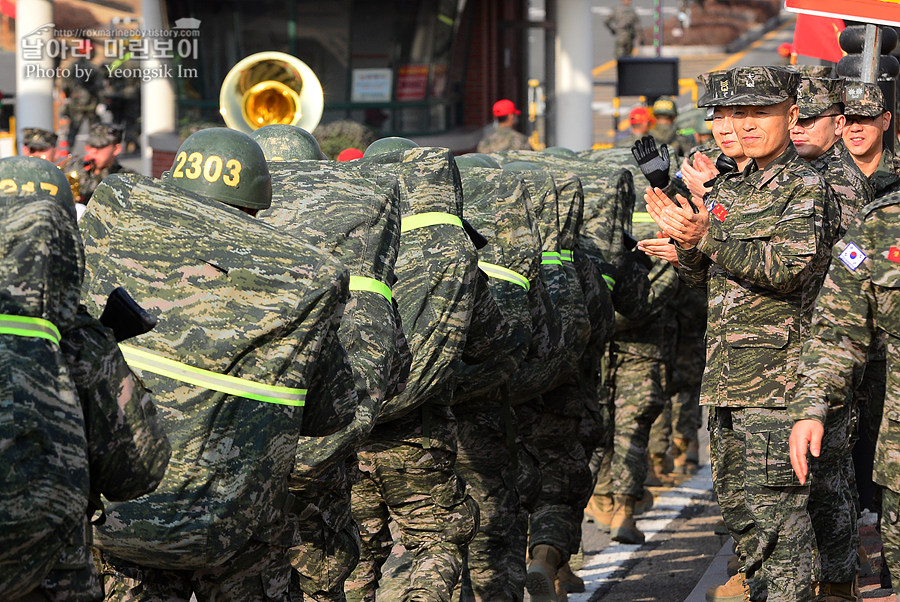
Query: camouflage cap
x=38 y=138
x=817 y=94
x=863 y=100
x=665 y=107
x=103 y=134
x=718 y=88
x=815 y=71
x=763 y=86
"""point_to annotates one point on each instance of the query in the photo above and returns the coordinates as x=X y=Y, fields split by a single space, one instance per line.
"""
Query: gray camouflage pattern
x=503 y=138
x=817 y=94
x=851 y=187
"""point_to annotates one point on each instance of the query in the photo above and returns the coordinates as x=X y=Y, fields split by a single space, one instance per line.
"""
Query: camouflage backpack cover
x=498 y=207
x=43 y=448
x=246 y=314
x=436 y=270
x=353 y=213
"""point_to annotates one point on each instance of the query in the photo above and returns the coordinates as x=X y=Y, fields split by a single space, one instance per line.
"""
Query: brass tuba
x=70 y=166
x=271 y=87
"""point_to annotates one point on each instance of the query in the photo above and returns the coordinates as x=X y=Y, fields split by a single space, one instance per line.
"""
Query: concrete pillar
x=574 y=81
x=157 y=95
x=34 y=66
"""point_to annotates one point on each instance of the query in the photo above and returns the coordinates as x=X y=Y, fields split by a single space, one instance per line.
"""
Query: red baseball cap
x=639 y=115
x=349 y=154
x=504 y=107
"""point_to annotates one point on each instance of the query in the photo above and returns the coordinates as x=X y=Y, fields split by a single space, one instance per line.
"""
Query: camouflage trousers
x=782 y=548
x=831 y=507
x=260 y=572
x=408 y=476
x=638 y=398
x=486 y=438
x=554 y=437
x=680 y=419
x=890 y=535
x=328 y=544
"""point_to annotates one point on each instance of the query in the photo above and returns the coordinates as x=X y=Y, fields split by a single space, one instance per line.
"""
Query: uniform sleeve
x=127 y=447
x=780 y=256
x=693 y=267
x=841 y=333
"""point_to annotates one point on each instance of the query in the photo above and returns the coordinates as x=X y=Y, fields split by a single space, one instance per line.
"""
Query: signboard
x=886 y=12
x=371 y=85
x=645 y=76
x=412 y=82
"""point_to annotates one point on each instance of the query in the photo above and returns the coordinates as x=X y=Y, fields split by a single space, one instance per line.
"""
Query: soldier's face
x=765 y=131
x=863 y=135
x=815 y=135
x=47 y=153
x=102 y=156
x=724 y=133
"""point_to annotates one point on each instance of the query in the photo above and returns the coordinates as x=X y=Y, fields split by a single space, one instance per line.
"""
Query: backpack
x=247 y=316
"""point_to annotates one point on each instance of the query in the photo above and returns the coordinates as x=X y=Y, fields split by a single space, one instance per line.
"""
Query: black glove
x=654 y=164
x=124 y=316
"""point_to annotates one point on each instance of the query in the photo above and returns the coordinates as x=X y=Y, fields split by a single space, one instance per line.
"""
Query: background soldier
x=82 y=90
x=625 y=25
x=122 y=96
x=101 y=158
x=504 y=137
x=38 y=142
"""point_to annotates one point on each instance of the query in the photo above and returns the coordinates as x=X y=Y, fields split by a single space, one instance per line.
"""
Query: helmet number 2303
x=211 y=168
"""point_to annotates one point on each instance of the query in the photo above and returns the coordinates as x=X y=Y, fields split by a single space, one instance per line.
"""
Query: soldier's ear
x=793 y=116
x=117 y=149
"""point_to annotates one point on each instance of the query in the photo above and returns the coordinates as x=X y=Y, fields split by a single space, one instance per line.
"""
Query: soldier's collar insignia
x=894 y=255
x=852 y=256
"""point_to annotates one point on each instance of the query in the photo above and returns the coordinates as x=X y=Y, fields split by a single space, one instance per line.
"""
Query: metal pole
x=658 y=27
x=871 y=52
x=34 y=66
x=157 y=95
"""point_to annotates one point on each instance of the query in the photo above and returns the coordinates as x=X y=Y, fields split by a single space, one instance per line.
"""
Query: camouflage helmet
x=284 y=142
x=521 y=166
x=470 y=160
x=390 y=144
x=492 y=162
x=665 y=107
x=32 y=176
x=560 y=151
x=225 y=165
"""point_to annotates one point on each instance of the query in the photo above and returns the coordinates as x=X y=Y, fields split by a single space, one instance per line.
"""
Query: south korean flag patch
x=852 y=256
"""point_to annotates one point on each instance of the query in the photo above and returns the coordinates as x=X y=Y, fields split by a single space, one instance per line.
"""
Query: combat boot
x=540 y=581
x=561 y=594
x=687 y=456
x=569 y=581
x=658 y=473
x=736 y=589
x=865 y=565
x=622 y=527
x=600 y=509
x=837 y=592
x=643 y=504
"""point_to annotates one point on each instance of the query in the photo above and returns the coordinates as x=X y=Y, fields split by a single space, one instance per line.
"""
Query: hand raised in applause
x=660 y=247
x=697 y=175
x=676 y=218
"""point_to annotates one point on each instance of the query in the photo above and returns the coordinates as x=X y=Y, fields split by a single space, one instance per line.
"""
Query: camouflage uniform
x=113 y=432
x=83 y=95
x=762 y=262
x=856 y=305
x=407 y=462
x=38 y=139
x=503 y=138
x=122 y=94
x=624 y=24
x=101 y=135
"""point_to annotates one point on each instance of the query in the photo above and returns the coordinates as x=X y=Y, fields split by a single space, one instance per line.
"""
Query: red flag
x=817 y=37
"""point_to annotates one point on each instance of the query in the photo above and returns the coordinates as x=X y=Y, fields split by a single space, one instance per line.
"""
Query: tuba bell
x=271 y=87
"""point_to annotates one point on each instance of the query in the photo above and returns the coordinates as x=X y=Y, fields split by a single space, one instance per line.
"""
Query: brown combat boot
x=600 y=509
x=687 y=456
x=570 y=582
x=658 y=473
x=622 y=527
x=736 y=589
x=561 y=594
x=827 y=591
x=540 y=581
x=643 y=504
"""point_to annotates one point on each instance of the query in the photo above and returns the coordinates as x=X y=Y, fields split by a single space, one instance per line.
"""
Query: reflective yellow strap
x=26 y=326
x=363 y=283
x=498 y=271
x=641 y=217
x=144 y=360
x=567 y=255
x=610 y=281
x=432 y=218
x=551 y=257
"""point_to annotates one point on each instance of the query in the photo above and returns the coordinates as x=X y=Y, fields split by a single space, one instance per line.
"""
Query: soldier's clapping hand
x=677 y=219
x=697 y=175
x=660 y=247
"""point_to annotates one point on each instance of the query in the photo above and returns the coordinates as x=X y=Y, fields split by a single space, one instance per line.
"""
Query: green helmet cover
x=382 y=146
x=284 y=142
x=31 y=176
x=561 y=151
x=225 y=165
x=492 y=162
x=470 y=160
x=522 y=166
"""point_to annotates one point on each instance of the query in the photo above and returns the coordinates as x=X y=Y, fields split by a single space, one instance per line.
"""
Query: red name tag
x=894 y=254
x=720 y=212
